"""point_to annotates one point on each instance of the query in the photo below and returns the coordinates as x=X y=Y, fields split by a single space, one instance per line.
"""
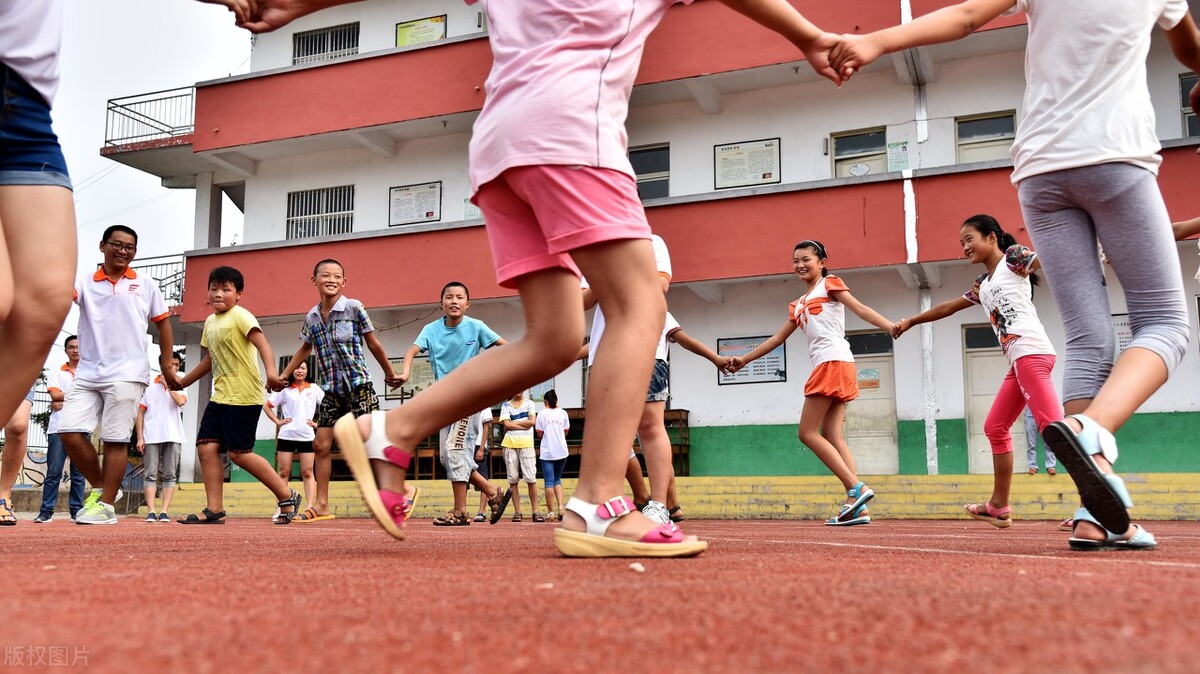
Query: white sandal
x=388 y=508
x=664 y=540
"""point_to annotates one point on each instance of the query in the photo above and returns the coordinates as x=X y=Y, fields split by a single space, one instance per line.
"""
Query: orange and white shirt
x=61 y=380
x=823 y=320
x=112 y=326
x=298 y=401
x=161 y=422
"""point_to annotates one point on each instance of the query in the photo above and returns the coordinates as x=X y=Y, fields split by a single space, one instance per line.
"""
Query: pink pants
x=1027 y=383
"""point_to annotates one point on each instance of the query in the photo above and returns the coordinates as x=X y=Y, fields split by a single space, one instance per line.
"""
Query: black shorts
x=230 y=426
x=359 y=402
x=294 y=446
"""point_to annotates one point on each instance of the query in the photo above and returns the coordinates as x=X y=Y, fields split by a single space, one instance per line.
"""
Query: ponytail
x=550 y=398
x=986 y=225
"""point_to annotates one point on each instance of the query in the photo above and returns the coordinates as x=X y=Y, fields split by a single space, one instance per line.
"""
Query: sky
x=119 y=48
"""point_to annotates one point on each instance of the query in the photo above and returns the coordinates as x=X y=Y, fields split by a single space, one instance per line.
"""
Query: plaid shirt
x=339 y=345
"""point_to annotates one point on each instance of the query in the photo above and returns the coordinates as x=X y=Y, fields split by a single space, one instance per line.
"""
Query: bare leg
x=116 y=458
x=323 y=469
x=213 y=472
x=460 y=497
x=37 y=264
x=533 y=497
x=167 y=493
x=283 y=464
x=16 y=435
x=811 y=419
x=637 y=484
x=656 y=447
x=84 y=457
x=1002 y=465
x=307 y=477
x=486 y=489
x=516 y=497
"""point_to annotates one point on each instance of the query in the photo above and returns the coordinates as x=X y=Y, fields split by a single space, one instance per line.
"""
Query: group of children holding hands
x=563 y=204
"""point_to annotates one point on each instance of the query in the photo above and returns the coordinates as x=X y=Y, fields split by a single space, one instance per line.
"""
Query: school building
x=349 y=140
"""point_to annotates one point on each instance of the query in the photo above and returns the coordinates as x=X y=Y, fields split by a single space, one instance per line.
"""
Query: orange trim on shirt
x=665 y=275
x=143 y=406
x=161 y=317
x=53 y=388
x=101 y=276
x=300 y=385
x=66 y=367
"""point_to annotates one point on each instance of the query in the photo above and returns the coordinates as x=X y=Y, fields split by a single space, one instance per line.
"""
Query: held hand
x=172 y=380
x=273 y=14
x=900 y=327
x=735 y=363
x=818 y=53
x=274 y=383
x=853 y=53
x=394 y=382
x=243 y=10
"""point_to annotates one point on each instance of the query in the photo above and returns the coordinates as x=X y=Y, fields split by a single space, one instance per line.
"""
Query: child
x=1084 y=163
x=292 y=410
x=1005 y=292
x=450 y=342
x=160 y=439
x=1032 y=433
x=483 y=458
x=337 y=328
x=59 y=384
x=552 y=200
x=115 y=304
x=821 y=314
x=230 y=337
x=518 y=417
x=551 y=426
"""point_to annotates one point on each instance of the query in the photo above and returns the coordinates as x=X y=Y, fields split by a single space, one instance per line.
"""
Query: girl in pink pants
x=1006 y=295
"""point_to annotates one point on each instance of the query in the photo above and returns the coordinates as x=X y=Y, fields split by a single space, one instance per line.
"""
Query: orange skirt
x=833 y=379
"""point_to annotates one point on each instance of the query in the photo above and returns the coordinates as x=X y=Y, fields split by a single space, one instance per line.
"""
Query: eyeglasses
x=123 y=247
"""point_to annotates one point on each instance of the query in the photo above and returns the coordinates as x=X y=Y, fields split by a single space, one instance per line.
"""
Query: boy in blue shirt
x=451 y=341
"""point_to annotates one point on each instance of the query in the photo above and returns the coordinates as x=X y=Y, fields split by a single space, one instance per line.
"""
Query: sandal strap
x=599 y=517
x=377 y=444
x=1105 y=444
x=853 y=492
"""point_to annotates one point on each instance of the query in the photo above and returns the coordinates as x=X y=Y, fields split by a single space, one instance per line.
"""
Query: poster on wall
x=1123 y=330
x=897 y=156
x=420 y=31
x=537 y=393
x=745 y=164
x=421 y=379
x=471 y=211
x=769 y=368
x=412 y=204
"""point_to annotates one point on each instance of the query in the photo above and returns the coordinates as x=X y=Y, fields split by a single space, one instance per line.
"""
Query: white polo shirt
x=300 y=403
x=662 y=261
x=162 y=422
x=61 y=380
x=112 y=326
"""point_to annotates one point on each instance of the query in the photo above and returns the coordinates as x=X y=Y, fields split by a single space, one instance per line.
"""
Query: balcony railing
x=167 y=271
x=153 y=116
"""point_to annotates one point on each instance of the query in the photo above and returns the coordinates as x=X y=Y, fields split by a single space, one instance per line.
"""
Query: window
x=869 y=343
x=859 y=153
x=324 y=44
x=325 y=212
x=652 y=166
x=985 y=137
x=980 y=337
x=1191 y=125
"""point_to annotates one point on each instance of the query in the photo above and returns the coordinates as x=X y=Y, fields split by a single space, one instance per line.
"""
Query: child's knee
x=306 y=473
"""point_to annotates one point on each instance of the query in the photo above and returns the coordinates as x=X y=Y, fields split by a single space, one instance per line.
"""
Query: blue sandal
x=1140 y=540
x=851 y=513
x=7 y=517
x=1103 y=495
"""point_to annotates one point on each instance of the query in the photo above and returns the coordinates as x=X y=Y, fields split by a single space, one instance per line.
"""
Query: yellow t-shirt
x=236 y=377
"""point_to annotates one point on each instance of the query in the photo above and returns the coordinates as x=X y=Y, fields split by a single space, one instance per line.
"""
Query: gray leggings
x=1119 y=204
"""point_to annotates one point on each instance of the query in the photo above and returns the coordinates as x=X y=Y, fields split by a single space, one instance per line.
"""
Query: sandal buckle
x=617 y=506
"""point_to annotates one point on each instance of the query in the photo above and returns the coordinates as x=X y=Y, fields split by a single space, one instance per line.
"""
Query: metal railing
x=167 y=271
x=152 y=116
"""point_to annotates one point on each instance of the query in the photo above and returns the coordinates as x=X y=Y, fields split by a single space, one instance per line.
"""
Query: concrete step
x=1156 y=495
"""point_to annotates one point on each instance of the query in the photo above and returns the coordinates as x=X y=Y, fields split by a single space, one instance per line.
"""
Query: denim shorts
x=659 y=390
x=29 y=150
x=552 y=471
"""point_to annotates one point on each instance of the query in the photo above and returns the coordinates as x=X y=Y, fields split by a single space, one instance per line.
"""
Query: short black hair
x=327 y=260
x=550 y=398
x=227 y=275
x=118 y=228
x=68 y=340
x=452 y=284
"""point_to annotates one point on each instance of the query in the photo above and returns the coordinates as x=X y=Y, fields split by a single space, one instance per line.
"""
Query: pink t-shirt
x=558 y=92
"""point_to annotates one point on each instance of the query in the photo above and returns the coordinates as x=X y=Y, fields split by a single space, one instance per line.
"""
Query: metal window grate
x=328 y=211
x=324 y=44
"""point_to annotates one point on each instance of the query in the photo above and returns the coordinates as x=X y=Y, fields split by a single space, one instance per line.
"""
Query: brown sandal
x=452 y=519
x=498 y=503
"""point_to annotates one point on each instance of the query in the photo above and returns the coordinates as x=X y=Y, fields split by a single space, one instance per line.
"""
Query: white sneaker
x=657 y=512
x=98 y=513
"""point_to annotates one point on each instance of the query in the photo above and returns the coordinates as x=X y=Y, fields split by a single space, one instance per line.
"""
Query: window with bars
x=985 y=137
x=652 y=166
x=1191 y=124
x=311 y=361
x=858 y=153
x=324 y=44
x=328 y=211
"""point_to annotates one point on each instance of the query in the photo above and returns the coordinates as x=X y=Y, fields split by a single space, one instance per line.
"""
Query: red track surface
x=895 y=596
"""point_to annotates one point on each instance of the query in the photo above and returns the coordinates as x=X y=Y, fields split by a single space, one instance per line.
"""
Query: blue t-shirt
x=450 y=347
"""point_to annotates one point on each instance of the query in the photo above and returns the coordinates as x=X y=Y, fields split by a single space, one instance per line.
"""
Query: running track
x=768 y=596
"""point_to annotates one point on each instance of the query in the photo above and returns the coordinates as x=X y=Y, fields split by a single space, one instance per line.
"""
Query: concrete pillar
x=208 y=213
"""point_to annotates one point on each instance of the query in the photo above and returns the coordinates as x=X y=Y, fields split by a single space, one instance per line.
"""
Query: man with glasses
x=60 y=383
x=114 y=305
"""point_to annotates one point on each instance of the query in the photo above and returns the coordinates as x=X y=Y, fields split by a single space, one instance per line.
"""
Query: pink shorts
x=535 y=215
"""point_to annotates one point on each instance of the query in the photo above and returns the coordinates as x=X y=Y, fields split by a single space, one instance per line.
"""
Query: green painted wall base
x=1150 y=443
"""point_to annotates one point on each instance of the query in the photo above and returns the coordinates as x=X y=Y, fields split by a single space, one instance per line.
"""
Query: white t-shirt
x=162 y=422
x=30 y=39
x=1007 y=298
x=484 y=417
x=558 y=92
x=663 y=344
x=112 y=326
x=553 y=423
x=823 y=321
x=518 y=439
x=63 y=380
x=300 y=403
x=1086 y=100
x=662 y=262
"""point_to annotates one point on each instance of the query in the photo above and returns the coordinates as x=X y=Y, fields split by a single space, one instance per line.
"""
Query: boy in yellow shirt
x=230 y=338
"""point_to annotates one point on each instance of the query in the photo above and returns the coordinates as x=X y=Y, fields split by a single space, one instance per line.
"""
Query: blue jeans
x=56 y=456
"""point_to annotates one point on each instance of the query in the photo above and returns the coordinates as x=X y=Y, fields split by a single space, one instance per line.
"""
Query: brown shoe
x=452 y=519
x=498 y=504
x=1033 y=471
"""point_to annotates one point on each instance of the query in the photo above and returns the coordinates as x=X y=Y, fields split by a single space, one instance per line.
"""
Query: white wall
x=377 y=26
